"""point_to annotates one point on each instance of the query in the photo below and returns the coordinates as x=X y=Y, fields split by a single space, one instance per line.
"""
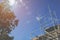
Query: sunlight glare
x=12 y=2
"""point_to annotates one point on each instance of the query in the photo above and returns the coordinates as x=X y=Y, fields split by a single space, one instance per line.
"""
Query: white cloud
x=38 y=18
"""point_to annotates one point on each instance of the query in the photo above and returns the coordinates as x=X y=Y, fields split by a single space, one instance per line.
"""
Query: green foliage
x=5 y=37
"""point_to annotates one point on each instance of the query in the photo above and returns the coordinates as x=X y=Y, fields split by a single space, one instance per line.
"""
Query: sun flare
x=12 y=2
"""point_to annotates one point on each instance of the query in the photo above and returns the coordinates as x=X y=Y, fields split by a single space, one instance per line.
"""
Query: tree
x=8 y=22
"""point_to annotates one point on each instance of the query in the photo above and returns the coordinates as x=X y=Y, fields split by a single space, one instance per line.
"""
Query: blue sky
x=33 y=16
x=30 y=19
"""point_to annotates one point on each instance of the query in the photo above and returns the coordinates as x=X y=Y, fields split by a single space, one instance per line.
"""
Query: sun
x=11 y=2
